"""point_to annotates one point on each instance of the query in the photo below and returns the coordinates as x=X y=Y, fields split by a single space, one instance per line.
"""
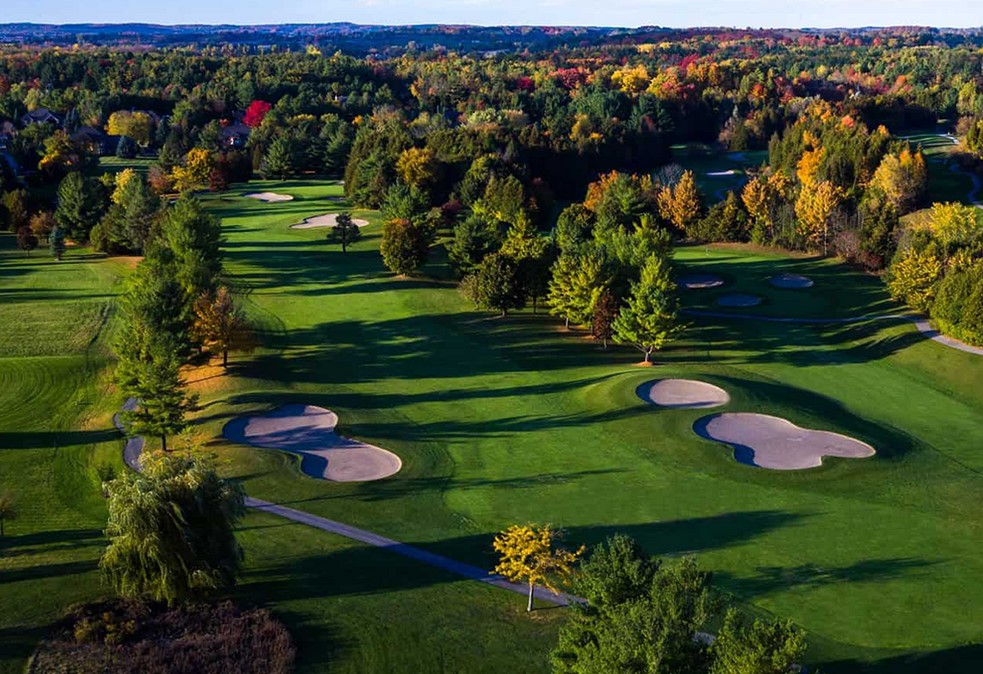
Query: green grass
x=503 y=421
x=702 y=161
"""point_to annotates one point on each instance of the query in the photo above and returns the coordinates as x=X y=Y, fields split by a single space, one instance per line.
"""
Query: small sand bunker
x=772 y=442
x=682 y=394
x=269 y=197
x=309 y=431
x=791 y=281
x=700 y=281
x=721 y=174
x=328 y=220
x=738 y=300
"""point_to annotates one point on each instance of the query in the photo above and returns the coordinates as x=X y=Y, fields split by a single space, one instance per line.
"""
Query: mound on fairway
x=700 y=281
x=269 y=197
x=772 y=442
x=738 y=300
x=791 y=281
x=682 y=394
x=309 y=431
x=328 y=220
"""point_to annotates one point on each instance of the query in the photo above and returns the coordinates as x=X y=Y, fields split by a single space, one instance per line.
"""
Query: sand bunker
x=721 y=174
x=791 y=281
x=329 y=220
x=309 y=431
x=269 y=197
x=700 y=281
x=738 y=300
x=685 y=394
x=775 y=443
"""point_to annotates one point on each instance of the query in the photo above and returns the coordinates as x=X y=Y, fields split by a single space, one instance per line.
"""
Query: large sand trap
x=328 y=220
x=700 y=281
x=684 y=394
x=791 y=281
x=771 y=442
x=269 y=197
x=309 y=431
x=738 y=300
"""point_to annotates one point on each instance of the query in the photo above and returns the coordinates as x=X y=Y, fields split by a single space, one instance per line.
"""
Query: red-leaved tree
x=255 y=113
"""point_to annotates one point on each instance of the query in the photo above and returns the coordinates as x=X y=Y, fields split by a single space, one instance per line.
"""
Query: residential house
x=40 y=116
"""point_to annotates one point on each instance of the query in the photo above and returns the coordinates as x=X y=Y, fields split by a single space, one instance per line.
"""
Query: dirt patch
x=778 y=444
x=308 y=430
x=686 y=394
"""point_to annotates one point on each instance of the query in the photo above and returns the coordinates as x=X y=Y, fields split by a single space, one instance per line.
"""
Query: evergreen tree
x=162 y=399
x=56 y=243
x=649 y=320
x=473 y=239
x=345 y=231
x=126 y=148
x=79 y=206
x=280 y=161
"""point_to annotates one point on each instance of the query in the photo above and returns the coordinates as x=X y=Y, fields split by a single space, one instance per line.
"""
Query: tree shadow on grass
x=966 y=659
x=45 y=541
x=49 y=439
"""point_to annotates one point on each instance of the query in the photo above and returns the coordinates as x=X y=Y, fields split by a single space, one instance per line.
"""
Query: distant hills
x=366 y=38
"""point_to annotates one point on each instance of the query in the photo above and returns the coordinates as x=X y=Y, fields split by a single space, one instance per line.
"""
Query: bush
x=958 y=307
x=126 y=636
x=405 y=246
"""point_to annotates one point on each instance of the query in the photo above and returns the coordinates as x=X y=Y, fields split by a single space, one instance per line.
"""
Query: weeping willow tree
x=171 y=530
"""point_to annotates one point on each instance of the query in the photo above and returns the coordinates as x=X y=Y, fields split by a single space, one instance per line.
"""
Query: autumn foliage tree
x=220 y=325
x=532 y=555
x=815 y=208
x=256 y=113
x=605 y=312
x=405 y=246
x=681 y=204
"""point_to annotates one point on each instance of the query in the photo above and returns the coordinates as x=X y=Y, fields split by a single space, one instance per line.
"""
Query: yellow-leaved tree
x=902 y=178
x=195 y=171
x=814 y=209
x=531 y=555
x=914 y=279
x=682 y=204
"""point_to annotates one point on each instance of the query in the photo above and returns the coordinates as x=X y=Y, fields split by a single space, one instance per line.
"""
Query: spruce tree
x=650 y=318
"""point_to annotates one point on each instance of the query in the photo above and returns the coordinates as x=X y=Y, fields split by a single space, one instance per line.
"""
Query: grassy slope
x=504 y=421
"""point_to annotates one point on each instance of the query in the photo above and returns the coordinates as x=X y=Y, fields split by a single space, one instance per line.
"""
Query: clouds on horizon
x=676 y=13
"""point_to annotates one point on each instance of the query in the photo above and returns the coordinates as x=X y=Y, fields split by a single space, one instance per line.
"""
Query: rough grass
x=503 y=421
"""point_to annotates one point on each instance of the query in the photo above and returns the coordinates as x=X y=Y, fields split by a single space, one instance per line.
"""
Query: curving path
x=134 y=447
x=921 y=323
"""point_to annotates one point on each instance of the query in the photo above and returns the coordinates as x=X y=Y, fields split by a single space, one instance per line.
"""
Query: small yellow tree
x=220 y=325
x=531 y=555
x=814 y=208
x=682 y=205
x=195 y=171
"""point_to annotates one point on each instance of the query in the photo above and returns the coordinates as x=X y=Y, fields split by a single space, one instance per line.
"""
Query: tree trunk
x=225 y=358
x=529 y=605
x=505 y=313
x=648 y=355
x=163 y=442
x=567 y=323
x=534 y=305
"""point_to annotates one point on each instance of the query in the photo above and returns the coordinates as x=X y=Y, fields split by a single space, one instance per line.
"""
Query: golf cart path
x=921 y=323
x=131 y=456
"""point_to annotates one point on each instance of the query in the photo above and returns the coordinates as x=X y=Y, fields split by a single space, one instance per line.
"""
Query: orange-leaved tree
x=531 y=555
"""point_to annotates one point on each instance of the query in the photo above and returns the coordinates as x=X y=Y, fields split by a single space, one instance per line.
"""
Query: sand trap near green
x=687 y=394
x=791 y=281
x=772 y=442
x=700 y=281
x=327 y=220
x=308 y=430
x=738 y=300
x=269 y=197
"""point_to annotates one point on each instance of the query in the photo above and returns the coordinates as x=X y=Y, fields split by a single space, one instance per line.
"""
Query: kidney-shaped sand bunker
x=772 y=442
x=309 y=431
x=682 y=394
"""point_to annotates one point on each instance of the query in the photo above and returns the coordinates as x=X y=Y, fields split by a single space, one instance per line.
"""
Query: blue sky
x=742 y=13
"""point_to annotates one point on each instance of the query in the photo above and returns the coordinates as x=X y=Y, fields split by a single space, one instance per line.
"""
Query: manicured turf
x=702 y=161
x=515 y=420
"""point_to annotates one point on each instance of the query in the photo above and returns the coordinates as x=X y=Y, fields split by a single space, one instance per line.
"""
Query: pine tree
x=163 y=401
x=280 y=160
x=56 y=242
x=650 y=320
x=345 y=231
x=79 y=207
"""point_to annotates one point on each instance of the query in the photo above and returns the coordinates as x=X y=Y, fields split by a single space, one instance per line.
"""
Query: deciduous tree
x=531 y=555
x=171 y=530
x=404 y=246
x=649 y=319
x=578 y=279
x=8 y=509
x=220 y=325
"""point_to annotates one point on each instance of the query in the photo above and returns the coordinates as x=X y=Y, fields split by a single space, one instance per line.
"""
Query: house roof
x=235 y=129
